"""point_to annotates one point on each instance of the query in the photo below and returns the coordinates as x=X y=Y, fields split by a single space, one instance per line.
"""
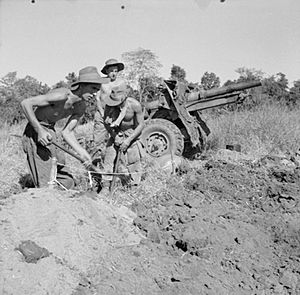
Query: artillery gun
x=173 y=121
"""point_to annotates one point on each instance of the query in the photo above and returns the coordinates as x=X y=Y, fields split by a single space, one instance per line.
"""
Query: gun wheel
x=162 y=137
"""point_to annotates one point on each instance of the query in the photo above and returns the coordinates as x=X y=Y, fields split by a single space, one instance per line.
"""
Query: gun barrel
x=224 y=90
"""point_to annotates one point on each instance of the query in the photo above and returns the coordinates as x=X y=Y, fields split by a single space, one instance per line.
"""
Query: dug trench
x=217 y=227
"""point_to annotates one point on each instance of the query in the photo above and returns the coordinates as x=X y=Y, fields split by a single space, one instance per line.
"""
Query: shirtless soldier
x=42 y=112
x=124 y=137
x=111 y=69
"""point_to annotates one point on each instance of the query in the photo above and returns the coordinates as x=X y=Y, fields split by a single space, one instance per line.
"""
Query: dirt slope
x=78 y=230
x=229 y=225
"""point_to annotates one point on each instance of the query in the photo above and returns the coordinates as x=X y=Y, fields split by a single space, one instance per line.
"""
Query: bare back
x=66 y=105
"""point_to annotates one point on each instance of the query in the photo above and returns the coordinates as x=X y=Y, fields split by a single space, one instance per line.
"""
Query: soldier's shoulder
x=134 y=102
x=60 y=91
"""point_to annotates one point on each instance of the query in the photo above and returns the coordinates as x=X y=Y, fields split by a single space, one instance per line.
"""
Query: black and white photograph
x=149 y=147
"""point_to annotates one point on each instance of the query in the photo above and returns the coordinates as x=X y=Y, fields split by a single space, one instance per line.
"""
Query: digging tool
x=113 y=182
x=91 y=167
x=71 y=153
x=68 y=151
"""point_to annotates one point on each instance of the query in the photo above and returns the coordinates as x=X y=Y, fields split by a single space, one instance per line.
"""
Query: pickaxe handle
x=113 y=182
x=71 y=153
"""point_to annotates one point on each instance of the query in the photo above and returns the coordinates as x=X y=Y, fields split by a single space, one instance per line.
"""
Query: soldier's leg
x=64 y=177
x=100 y=133
x=40 y=164
x=134 y=164
x=108 y=164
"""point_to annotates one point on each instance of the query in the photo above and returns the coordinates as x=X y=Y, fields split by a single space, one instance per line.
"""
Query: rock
x=32 y=252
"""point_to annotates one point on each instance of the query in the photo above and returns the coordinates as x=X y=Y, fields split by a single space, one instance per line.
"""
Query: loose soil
x=224 y=225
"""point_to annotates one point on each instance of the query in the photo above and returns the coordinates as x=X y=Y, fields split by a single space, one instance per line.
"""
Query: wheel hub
x=157 y=144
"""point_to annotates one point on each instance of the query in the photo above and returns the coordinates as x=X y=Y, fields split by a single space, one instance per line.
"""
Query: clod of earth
x=32 y=252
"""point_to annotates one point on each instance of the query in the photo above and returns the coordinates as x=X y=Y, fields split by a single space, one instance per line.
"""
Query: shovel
x=71 y=153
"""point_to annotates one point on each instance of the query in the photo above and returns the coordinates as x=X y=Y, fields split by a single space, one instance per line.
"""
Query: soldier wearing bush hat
x=42 y=112
x=89 y=75
x=111 y=68
x=112 y=63
x=124 y=120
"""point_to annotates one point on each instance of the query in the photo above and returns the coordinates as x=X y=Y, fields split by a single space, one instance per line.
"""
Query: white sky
x=51 y=38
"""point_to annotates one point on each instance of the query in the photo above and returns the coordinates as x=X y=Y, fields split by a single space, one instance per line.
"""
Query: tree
x=295 y=93
x=254 y=96
x=209 y=81
x=178 y=73
x=141 y=70
x=13 y=90
x=276 y=88
x=247 y=74
x=71 y=78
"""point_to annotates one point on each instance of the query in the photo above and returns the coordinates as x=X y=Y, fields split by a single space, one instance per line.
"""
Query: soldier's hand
x=125 y=144
x=88 y=165
x=118 y=140
x=44 y=137
x=114 y=124
x=86 y=160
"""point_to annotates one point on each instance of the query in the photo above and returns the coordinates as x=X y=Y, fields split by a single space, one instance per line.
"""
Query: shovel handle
x=68 y=151
x=71 y=153
x=113 y=182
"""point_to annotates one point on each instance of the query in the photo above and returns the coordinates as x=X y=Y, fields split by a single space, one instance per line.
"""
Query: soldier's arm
x=29 y=104
x=68 y=132
x=101 y=96
x=139 y=119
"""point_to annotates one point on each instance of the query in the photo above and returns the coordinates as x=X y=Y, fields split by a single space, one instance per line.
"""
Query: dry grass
x=12 y=158
x=271 y=129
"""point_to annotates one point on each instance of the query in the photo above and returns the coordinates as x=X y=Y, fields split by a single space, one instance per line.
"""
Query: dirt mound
x=225 y=226
x=77 y=230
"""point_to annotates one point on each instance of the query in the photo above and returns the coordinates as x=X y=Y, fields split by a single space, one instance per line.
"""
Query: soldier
x=42 y=112
x=111 y=69
x=124 y=138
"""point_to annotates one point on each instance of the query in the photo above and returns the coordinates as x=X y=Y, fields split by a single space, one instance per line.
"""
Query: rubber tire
x=168 y=132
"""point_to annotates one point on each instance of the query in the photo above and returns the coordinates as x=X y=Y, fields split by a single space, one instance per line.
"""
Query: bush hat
x=118 y=94
x=112 y=62
x=89 y=75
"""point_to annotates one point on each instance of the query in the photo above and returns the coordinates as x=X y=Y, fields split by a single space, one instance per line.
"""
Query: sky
x=50 y=38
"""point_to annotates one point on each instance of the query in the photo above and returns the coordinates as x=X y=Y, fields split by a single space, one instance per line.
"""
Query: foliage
x=254 y=96
x=12 y=91
x=141 y=71
x=178 y=73
x=295 y=93
x=70 y=78
x=209 y=81
x=246 y=74
x=276 y=88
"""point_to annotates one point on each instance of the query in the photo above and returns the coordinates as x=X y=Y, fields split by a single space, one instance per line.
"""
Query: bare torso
x=60 y=109
x=105 y=91
x=130 y=119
